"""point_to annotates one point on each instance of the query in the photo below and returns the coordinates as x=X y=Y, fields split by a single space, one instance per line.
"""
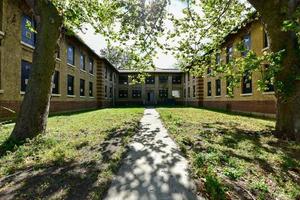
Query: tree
x=52 y=18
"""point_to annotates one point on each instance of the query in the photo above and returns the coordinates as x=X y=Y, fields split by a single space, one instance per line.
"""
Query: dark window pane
x=110 y=92
x=123 y=93
x=82 y=61
x=70 y=85
x=229 y=54
x=71 y=55
x=163 y=93
x=136 y=94
x=176 y=79
x=218 y=87
x=123 y=79
x=91 y=89
x=189 y=92
x=209 y=89
x=266 y=40
x=91 y=65
x=105 y=90
x=194 y=91
x=55 y=83
x=82 y=87
x=247 y=83
x=25 y=73
x=150 y=80
x=28 y=36
x=246 y=44
x=163 y=79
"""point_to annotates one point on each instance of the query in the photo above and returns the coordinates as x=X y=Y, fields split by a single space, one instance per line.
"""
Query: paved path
x=154 y=168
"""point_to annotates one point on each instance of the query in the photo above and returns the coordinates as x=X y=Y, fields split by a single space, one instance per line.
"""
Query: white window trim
x=268 y=93
x=70 y=65
x=246 y=94
x=82 y=96
x=71 y=96
x=28 y=45
x=56 y=95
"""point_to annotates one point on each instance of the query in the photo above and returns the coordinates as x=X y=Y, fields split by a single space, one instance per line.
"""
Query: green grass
x=235 y=156
x=75 y=159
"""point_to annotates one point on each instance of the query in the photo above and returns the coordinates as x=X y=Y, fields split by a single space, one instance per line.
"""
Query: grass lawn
x=75 y=159
x=235 y=157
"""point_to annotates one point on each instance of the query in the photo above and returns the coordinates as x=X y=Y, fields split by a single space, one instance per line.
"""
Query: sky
x=97 y=42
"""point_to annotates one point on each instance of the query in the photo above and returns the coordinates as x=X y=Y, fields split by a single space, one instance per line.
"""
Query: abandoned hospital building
x=85 y=80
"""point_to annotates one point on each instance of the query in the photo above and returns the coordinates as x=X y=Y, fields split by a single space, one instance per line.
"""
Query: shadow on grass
x=87 y=177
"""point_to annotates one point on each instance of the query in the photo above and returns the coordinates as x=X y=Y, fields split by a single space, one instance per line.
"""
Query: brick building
x=246 y=97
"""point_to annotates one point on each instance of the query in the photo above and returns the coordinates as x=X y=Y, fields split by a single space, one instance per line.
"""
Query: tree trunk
x=32 y=118
x=274 y=13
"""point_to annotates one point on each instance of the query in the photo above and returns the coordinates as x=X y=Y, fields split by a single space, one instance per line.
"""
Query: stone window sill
x=58 y=59
x=1 y=91
x=71 y=96
x=246 y=95
x=22 y=93
x=28 y=45
x=268 y=93
x=56 y=95
x=218 y=96
x=70 y=65
x=82 y=96
x=82 y=70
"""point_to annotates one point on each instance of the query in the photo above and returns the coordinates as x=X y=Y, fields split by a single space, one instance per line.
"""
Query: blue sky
x=96 y=42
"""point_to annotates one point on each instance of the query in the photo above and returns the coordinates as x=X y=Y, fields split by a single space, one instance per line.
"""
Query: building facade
x=246 y=97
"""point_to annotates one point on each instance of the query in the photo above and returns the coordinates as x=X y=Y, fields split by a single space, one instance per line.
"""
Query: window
x=150 y=80
x=176 y=79
x=218 y=87
x=136 y=94
x=266 y=39
x=82 y=61
x=268 y=81
x=229 y=54
x=188 y=77
x=28 y=36
x=110 y=92
x=209 y=89
x=246 y=45
x=163 y=93
x=189 y=92
x=70 y=85
x=25 y=73
x=106 y=72
x=91 y=89
x=209 y=71
x=218 y=58
x=194 y=91
x=176 y=93
x=184 y=93
x=58 y=52
x=247 y=83
x=123 y=79
x=55 y=83
x=123 y=94
x=111 y=76
x=91 y=66
x=71 y=55
x=82 y=87
x=163 y=79
x=229 y=81
x=105 y=91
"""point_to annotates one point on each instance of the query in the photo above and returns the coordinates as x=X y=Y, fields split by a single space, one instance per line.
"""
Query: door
x=150 y=97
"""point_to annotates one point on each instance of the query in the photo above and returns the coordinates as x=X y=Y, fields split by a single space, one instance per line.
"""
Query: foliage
x=77 y=149
x=239 y=151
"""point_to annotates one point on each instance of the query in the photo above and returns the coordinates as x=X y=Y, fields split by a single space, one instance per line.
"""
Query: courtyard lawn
x=235 y=157
x=75 y=159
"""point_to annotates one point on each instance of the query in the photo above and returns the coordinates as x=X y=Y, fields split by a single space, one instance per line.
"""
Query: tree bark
x=274 y=13
x=32 y=118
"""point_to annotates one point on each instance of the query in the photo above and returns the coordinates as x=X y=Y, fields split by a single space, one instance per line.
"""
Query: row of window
x=176 y=79
x=25 y=73
x=29 y=37
x=246 y=86
x=137 y=94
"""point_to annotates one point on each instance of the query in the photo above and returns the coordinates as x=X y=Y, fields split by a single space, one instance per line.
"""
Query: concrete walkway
x=154 y=168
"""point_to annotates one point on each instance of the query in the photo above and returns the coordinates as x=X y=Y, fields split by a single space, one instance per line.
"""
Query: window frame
x=91 y=89
x=218 y=87
x=209 y=89
x=124 y=94
x=25 y=74
x=82 y=87
x=163 y=93
x=246 y=80
x=24 y=31
x=70 y=78
x=136 y=94
x=71 y=62
x=82 y=63
x=55 y=79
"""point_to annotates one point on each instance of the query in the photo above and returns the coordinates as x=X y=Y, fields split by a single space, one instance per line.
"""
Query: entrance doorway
x=150 y=98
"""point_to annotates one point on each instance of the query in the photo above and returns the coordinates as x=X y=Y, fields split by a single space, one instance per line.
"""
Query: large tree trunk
x=32 y=118
x=274 y=13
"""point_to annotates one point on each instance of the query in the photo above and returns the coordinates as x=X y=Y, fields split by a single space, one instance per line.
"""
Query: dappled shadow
x=154 y=167
x=76 y=179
